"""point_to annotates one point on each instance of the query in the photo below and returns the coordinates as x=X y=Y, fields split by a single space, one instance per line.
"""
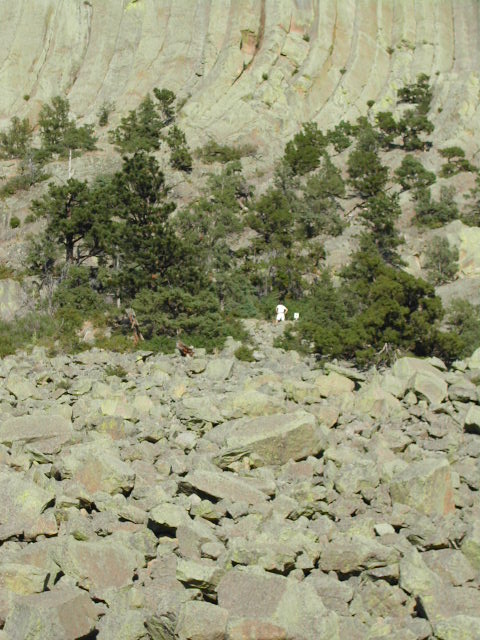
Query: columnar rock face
x=248 y=69
x=340 y=515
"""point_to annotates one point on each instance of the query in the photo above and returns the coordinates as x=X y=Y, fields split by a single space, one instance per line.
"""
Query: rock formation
x=248 y=70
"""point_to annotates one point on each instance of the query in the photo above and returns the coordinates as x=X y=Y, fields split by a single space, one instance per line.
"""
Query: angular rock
x=65 y=613
x=273 y=439
x=303 y=392
x=22 y=388
x=201 y=621
x=451 y=565
x=378 y=403
x=406 y=368
x=334 y=593
x=98 y=564
x=346 y=554
x=472 y=419
x=222 y=485
x=122 y=624
x=250 y=403
x=458 y=628
x=13 y=299
x=431 y=387
x=22 y=579
x=201 y=574
x=202 y=409
x=471 y=545
x=168 y=517
x=22 y=505
x=219 y=369
x=46 y=433
x=261 y=597
x=96 y=467
x=333 y=384
x=426 y=486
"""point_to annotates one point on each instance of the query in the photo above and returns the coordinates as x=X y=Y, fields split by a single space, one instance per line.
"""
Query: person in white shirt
x=280 y=310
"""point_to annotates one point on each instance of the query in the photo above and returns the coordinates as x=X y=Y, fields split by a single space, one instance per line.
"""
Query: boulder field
x=155 y=497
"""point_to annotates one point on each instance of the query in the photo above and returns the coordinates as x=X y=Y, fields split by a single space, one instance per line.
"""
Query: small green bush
x=244 y=353
x=104 y=113
x=215 y=152
x=303 y=153
x=435 y=213
x=463 y=318
x=6 y=272
x=116 y=370
x=15 y=222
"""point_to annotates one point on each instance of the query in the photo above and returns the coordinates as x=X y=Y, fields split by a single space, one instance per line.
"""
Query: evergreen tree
x=304 y=151
x=16 y=141
x=71 y=221
x=59 y=133
x=435 y=213
x=319 y=211
x=411 y=174
x=368 y=175
x=381 y=213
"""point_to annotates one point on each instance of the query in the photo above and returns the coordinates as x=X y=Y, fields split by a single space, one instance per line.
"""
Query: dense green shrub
x=441 y=261
x=456 y=162
x=368 y=176
x=419 y=93
x=140 y=129
x=435 y=213
x=471 y=214
x=380 y=214
x=319 y=209
x=59 y=133
x=376 y=310
x=463 y=318
x=72 y=220
x=21 y=333
x=341 y=136
x=411 y=174
x=180 y=157
x=303 y=153
x=104 y=113
x=244 y=353
x=273 y=219
x=15 y=222
x=15 y=142
x=215 y=152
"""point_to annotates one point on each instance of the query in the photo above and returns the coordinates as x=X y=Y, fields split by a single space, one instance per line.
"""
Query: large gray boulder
x=97 y=564
x=22 y=507
x=46 y=433
x=272 y=439
x=201 y=621
x=222 y=485
x=97 y=467
x=354 y=553
x=65 y=613
x=255 y=598
x=426 y=486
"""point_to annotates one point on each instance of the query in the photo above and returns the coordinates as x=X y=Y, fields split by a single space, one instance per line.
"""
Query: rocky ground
x=157 y=497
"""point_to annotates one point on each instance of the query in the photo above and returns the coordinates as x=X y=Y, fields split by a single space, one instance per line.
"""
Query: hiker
x=280 y=310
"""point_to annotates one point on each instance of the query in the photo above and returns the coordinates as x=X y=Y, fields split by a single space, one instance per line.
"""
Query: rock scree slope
x=275 y=501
